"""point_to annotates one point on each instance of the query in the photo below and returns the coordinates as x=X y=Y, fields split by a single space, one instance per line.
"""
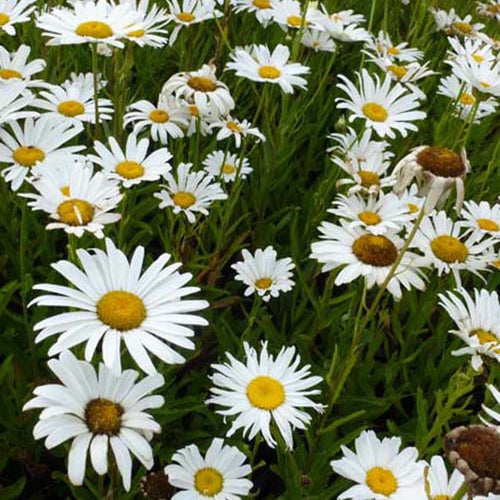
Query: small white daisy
x=382 y=46
x=482 y=217
x=471 y=48
x=264 y=390
x=412 y=200
x=133 y=164
x=232 y=127
x=264 y=274
x=289 y=14
x=440 y=486
x=191 y=193
x=219 y=475
x=484 y=77
x=319 y=41
x=381 y=470
x=262 y=9
x=15 y=66
x=452 y=24
x=14 y=12
x=14 y=99
x=100 y=412
x=495 y=415
x=113 y=300
x=342 y=25
x=227 y=165
x=489 y=8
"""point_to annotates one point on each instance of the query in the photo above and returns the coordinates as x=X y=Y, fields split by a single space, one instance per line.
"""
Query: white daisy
x=264 y=274
x=264 y=390
x=100 y=412
x=495 y=415
x=383 y=106
x=164 y=121
x=78 y=199
x=289 y=14
x=476 y=319
x=382 y=471
x=14 y=98
x=440 y=486
x=482 y=217
x=219 y=475
x=452 y=24
x=133 y=164
x=382 y=46
x=342 y=25
x=191 y=193
x=319 y=41
x=260 y=65
x=199 y=120
x=232 y=127
x=489 y=8
x=412 y=200
x=227 y=165
x=15 y=12
x=482 y=76
x=110 y=300
x=471 y=48
x=261 y=8
x=15 y=66
x=38 y=142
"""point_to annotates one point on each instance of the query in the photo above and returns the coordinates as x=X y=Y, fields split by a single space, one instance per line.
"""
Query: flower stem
x=460 y=492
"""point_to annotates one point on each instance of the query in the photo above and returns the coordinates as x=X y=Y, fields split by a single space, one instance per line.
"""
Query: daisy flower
x=220 y=474
x=476 y=320
x=36 y=143
x=443 y=244
x=383 y=47
x=200 y=88
x=227 y=165
x=440 y=486
x=100 y=412
x=489 y=411
x=412 y=200
x=437 y=171
x=360 y=253
x=79 y=200
x=470 y=48
x=132 y=165
x=73 y=101
x=452 y=24
x=381 y=470
x=232 y=127
x=482 y=76
x=164 y=121
x=199 y=120
x=111 y=301
x=14 y=12
x=482 y=217
x=191 y=193
x=383 y=106
x=319 y=41
x=260 y=65
x=262 y=9
x=15 y=66
x=288 y=14
x=88 y=21
x=264 y=390
x=490 y=8
x=14 y=98
x=264 y=274
x=342 y=25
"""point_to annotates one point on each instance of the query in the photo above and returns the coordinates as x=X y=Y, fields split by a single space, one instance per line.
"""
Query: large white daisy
x=15 y=66
x=15 y=12
x=482 y=217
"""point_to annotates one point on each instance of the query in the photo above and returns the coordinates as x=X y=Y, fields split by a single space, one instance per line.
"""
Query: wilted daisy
x=263 y=391
x=452 y=24
x=383 y=106
x=489 y=8
x=440 y=486
x=382 y=46
x=14 y=98
x=14 y=12
x=261 y=8
x=437 y=171
x=220 y=474
x=381 y=470
x=36 y=143
x=133 y=164
x=261 y=65
x=482 y=217
x=200 y=88
x=476 y=319
x=263 y=273
x=164 y=121
x=232 y=127
x=111 y=301
x=78 y=199
x=100 y=412
x=15 y=65
x=191 y=192
x=74 y=101
x=227 y=165
x=490 y=412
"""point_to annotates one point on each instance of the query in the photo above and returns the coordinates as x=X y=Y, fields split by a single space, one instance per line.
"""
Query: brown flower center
x=373 y=250
x=103 y=416
x=441 y=161
x=369 y=179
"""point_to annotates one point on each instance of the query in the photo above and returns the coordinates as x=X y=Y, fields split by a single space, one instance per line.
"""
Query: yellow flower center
x=463 y=27
x=136 y=33
x=65 y=190
x=185 y=17
x=496 y=263
x=159 y=116
x=130 y=169
x=261 y=4
x=467 y=99
x=412 y=208
x=202 y=84
x=398 y=71
x=94 y=29
x=375 y=112
x=103 y=416
x=369 y=179
x=269 y=72
x=478 y=58
x=485 y=85
x=486 y=337
x=263 y=283
x=228 y=169
x=381 y=481
x=4 y=19
x=208 y=481
x=441 y=161
x=7 y=74
x=369 y=218
x=234 y=127
x=266 y=393
x=492 y=9
x=121 y=310
x=75 y=212
x=28 y=156
x=194 y=111
x=393 y=51
x=441 y=497
x=71 y=108
x=183 y=199
x=295 y=21
x=488 y=225
x=373 y=250
x=449 y=249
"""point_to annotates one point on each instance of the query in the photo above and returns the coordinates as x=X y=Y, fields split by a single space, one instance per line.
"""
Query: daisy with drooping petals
x=113 y=301
x=14 y=98
x=261 y=65
x=227 y=165
x=495 y=415
x=132 y=165
x=15 y=66
x=220 y=474
x=383 y=106
x=36 y=143
x=382 y=471
x=232 y=127
x=264 y=274
x=476 y=319
x=440 y=486
x=100 y=412
x=15 y=12
x=482 y=217
x=264 y=390
x=191 y=193
x=261 y=8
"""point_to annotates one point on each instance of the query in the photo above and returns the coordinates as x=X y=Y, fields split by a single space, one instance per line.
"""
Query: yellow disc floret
x=184 y=199
x=71 y=108
x=381 y=481
x=4 y=19
x=369 y=218
x=28 y=156
x=208 y=481
x=185 y=17
x=266 y=393
x=7 y=74
x=378 y=251
x=375 y=112
x=202 y=84
x=103 y=416
x=261 y=4
x=75 y=212
x=94 y=29
x=121 y=310
x=449 y=249
x=130 y=169
x=488 y=225
x=269 y=72
x=368 y=178
x=159 y=116
x=263 y=283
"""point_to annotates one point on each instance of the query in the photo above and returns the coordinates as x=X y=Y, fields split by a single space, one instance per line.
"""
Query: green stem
x=95 y=72
x=461 y=492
